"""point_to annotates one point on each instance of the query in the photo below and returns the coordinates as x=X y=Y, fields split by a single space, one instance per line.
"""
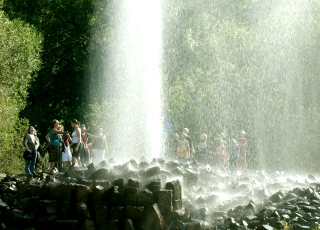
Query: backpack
x=24 y=139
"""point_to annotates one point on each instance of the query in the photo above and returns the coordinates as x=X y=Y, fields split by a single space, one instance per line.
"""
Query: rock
x=134 y=184
x=81 y=192
x=9 y=178
x=145 y=198
x=49 y=178
x=88 y=225
x=128 y=225
x=130 y=196
x=152 y=172
x=308 y=208
x=265 y=227
x=91 y=169
x=153 y=219
x=120 y=183
x=143 y=164
x=64 y=209
x=3 y=226
x=115 y=213
x=200 y=213
x=62 y=224
x=112 y=197
x=100 y=174
x=35 y=189
x=29 y=204
x=111 y=225
x=81 y=211
x=275 y=198
x=131 y=211
x=311 y=177
x=175 y=186
x=48 y=206
x=101 y=216
x=154 y=185
x=164 y=200
x=191 y=177
x=22 y=188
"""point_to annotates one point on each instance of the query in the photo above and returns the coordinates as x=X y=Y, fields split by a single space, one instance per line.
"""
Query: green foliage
x=20 y=46
x=60 y=89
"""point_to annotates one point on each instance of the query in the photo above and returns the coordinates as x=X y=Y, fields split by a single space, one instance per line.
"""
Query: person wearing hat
x=242 y=141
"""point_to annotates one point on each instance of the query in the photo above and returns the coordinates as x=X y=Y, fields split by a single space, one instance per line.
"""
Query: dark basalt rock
x=130 y=196
x=100 y=174
x=163 y=198
x=153 y=219
x=152 y=172
x=154 y=186
x=112 y=197
x=145 y=198
x=86 y=199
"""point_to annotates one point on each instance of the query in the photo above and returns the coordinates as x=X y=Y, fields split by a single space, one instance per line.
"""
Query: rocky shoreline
x=159 y=195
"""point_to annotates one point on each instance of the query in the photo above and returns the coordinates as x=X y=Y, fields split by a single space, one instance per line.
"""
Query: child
x=243 y=149
x=234 y=154
x=202 y=148
x=221 y=151
x=66 y=153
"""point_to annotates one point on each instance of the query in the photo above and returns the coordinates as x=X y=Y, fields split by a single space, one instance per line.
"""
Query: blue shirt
x=54 y=139
x=234 y=152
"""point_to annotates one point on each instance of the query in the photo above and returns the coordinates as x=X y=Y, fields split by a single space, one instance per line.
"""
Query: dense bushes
x=20 y=46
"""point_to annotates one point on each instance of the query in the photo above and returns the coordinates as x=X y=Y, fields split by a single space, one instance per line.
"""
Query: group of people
x=78 y=149
x=229 y=153
x=82 y=148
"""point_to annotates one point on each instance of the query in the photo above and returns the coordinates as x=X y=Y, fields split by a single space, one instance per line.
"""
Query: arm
x=37 y=143
x=91 y=136
x=26 y=145
x=54 y=131
x=69 y=138
x=48 y=138
x=79 y=138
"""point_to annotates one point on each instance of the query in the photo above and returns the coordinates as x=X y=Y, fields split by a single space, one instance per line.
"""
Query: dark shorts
x=76 y=153
x=53 y=153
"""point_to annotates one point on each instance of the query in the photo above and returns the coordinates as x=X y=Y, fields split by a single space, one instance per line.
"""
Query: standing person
x=76 y=142
x=66 y=153
x=172 y=144
x=31 y=144
x=84 y=154
x=242 y=141
x=54 y=143
x=234 y=154
x=38 y=158
x=184 y=147
x=99 y=147
x=221 y=151
x=189 y=139
x=202 y=148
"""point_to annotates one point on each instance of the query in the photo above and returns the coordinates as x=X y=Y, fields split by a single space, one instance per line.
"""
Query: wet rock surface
x=159 y=195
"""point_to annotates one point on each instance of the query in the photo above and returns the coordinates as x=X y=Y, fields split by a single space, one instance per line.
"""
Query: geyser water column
x=135 y=66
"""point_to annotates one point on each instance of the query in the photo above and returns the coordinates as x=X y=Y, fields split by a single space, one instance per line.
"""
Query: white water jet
x=136 y=60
